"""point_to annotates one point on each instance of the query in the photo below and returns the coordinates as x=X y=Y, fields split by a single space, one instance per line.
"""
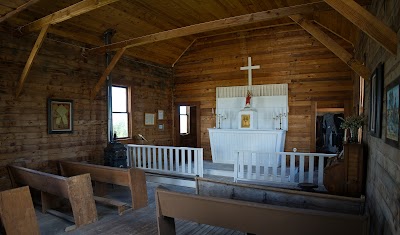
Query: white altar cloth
x=225 y=141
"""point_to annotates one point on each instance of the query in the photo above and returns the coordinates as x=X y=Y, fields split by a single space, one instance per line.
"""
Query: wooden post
x=313 y=126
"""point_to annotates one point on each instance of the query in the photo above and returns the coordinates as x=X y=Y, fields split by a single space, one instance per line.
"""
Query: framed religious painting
x=245 y=123
x=392 y=113
x=59 y=116
x=375 y=106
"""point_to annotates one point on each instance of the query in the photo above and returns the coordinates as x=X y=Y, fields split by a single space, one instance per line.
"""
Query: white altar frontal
x=225 y=141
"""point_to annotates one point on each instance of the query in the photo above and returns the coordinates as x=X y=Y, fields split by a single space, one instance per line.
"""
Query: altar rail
x=166 y=159
x=258 y=166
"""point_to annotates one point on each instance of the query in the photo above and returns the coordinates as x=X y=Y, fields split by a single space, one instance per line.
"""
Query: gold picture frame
x=245 y=123
x=149 y=119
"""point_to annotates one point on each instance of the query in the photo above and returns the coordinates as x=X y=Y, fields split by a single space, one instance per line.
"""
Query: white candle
x=212 y=110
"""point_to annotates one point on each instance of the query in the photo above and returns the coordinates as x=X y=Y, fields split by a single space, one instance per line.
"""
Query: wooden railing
x=166 y=159
x=288 y=167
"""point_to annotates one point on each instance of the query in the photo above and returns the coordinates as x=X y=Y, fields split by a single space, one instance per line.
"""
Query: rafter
x=107 y=72
x=17 y=10
x=333 y=46
x=28 y=65
x=333 y=31
x=367 y=22
x=214 y=25
x=65 y=14
x=187 y=48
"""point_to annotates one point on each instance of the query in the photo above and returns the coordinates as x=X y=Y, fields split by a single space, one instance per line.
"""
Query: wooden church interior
x=337 y=57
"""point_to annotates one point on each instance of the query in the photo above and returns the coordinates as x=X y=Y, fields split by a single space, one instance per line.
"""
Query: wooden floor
x=142 y=221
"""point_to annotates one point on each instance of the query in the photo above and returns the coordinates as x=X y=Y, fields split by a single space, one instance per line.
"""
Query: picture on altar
x=245 y=121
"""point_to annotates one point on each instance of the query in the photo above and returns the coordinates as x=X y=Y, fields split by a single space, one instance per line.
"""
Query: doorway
x=329 y=135
x=187 y=124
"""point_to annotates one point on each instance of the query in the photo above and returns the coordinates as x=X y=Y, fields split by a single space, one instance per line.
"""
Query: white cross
x=250 y=68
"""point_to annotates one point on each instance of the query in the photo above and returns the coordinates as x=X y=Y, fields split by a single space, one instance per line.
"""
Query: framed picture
x=160 y=114
x=375 y=107
x=245 y=121
x=392 y=113
x=59 y=116
x=149 y=119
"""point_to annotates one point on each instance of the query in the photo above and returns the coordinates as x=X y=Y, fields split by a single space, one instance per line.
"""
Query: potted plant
x=353 y=123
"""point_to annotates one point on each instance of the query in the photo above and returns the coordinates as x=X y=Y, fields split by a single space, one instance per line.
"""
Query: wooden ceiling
x=137 y=18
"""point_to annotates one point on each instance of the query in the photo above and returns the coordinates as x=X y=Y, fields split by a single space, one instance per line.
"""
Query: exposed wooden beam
x=108 y=70
x=214 y=25
x=28 y=65
x=65 y=14
x=187 y=48
x=367 y=22
x=333 y=46
x=17 y=10
x=333 y=31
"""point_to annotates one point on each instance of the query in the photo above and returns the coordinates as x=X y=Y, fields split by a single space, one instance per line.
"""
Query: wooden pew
x=279 y=196
x=17 y=213
x=133 y=178
x=250 y=217
x=78 y=190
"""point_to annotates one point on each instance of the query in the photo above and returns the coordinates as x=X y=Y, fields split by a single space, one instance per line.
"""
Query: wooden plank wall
x=287 y=54
x=151 y=89
x=383 y=167
x=59 y=71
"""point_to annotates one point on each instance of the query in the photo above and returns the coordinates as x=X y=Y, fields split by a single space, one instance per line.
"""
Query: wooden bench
x=250 y=217
x=78 y=190
x=133 y=178
x=279 y=196
x=17 y=213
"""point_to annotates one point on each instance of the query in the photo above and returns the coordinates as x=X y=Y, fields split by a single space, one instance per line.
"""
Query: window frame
x=128 y=109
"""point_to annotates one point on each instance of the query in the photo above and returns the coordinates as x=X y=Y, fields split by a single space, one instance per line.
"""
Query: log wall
x=59 y=71
x=286 y=54
x=383 y=167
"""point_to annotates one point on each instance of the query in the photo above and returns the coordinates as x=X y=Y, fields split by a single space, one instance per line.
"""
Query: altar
x=225 y=141
x=249 y=118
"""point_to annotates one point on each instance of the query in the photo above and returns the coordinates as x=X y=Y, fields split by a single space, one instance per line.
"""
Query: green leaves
x=352 y=122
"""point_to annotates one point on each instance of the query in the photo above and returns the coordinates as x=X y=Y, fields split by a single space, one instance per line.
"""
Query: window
x=184 y=120
x=120 y=117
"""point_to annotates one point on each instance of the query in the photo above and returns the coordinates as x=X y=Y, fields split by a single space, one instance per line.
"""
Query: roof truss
x=333 y=46
x=17 y=10
x=213 y=25
x=367 y=22
x=65 y=14
x=44 y=23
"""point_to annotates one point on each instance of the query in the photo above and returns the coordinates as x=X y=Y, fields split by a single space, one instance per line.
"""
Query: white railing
x=288 y=167
x=166 y=159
